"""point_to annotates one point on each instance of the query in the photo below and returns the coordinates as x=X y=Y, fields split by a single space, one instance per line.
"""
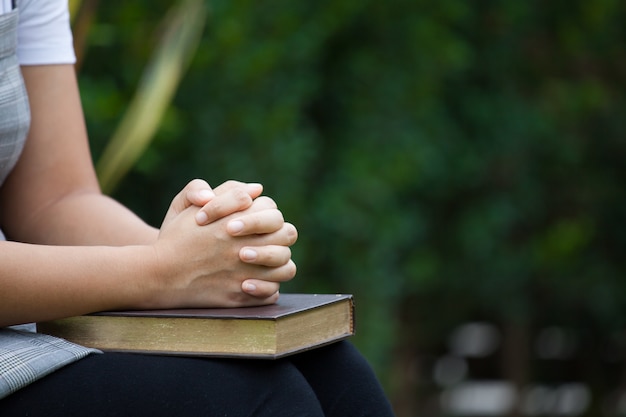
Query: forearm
x=40 y=282
x=187 y=265
x=86 y=218
x=52 y=194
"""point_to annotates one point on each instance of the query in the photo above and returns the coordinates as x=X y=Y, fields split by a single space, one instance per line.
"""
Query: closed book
x=297 y=322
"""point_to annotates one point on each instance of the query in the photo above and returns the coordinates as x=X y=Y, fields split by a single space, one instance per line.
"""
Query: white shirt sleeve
x=44 y=35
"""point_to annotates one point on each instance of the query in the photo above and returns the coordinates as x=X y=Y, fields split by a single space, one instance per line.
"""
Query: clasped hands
x=226 y=247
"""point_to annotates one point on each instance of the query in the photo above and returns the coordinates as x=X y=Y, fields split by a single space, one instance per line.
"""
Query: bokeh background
x=458 y=166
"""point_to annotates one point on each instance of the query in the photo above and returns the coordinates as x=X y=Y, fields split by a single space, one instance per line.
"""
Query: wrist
x=154 y=287
x=140 y=269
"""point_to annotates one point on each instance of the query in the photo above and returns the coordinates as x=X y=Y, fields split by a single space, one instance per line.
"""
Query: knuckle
x=292 y=233
x=266 y=202
x=291 y=269
x=228 y=186
x=274 y=219
x=280 y=255
x=231 y=184
x=287 y=254
x=197 y=183
x=236 y=299
x=252 y=222
x=241 y=196
x=271 y=289
x=214 y=208
x=274 y=297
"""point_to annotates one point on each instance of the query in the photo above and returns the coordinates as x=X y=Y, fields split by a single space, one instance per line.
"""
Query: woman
x=71 y=250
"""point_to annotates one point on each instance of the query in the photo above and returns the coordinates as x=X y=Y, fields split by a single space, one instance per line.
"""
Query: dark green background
x=445 y=161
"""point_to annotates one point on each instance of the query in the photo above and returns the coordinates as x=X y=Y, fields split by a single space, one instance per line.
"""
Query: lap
x=325 y=380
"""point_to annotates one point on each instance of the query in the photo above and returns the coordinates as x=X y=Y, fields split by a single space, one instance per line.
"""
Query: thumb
x=196 y=193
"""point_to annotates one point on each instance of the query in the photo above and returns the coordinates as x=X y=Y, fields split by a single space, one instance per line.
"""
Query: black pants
x=331 y=381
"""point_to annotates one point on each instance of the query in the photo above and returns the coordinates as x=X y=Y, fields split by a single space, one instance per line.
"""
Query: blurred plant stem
x=183 y=27
x=82 y=14
x=74 y=6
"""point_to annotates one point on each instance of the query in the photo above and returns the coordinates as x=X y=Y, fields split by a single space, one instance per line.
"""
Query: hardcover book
x=297 y=322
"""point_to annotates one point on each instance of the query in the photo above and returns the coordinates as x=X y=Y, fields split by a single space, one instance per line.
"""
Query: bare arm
x=52 y=203
x=53 y=196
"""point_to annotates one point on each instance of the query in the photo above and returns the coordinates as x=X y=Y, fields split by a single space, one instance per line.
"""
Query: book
x=297 y=322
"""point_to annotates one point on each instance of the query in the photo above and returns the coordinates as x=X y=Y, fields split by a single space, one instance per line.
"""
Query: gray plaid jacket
x=25 y=356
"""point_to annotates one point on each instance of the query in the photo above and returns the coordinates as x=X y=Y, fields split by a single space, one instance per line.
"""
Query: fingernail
x=249 y=254
x=201 y=217
x=248 y=287
x=235 y=226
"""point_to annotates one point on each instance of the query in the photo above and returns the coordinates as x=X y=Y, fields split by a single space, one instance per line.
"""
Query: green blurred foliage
x=442 y=160
x=181 y=30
